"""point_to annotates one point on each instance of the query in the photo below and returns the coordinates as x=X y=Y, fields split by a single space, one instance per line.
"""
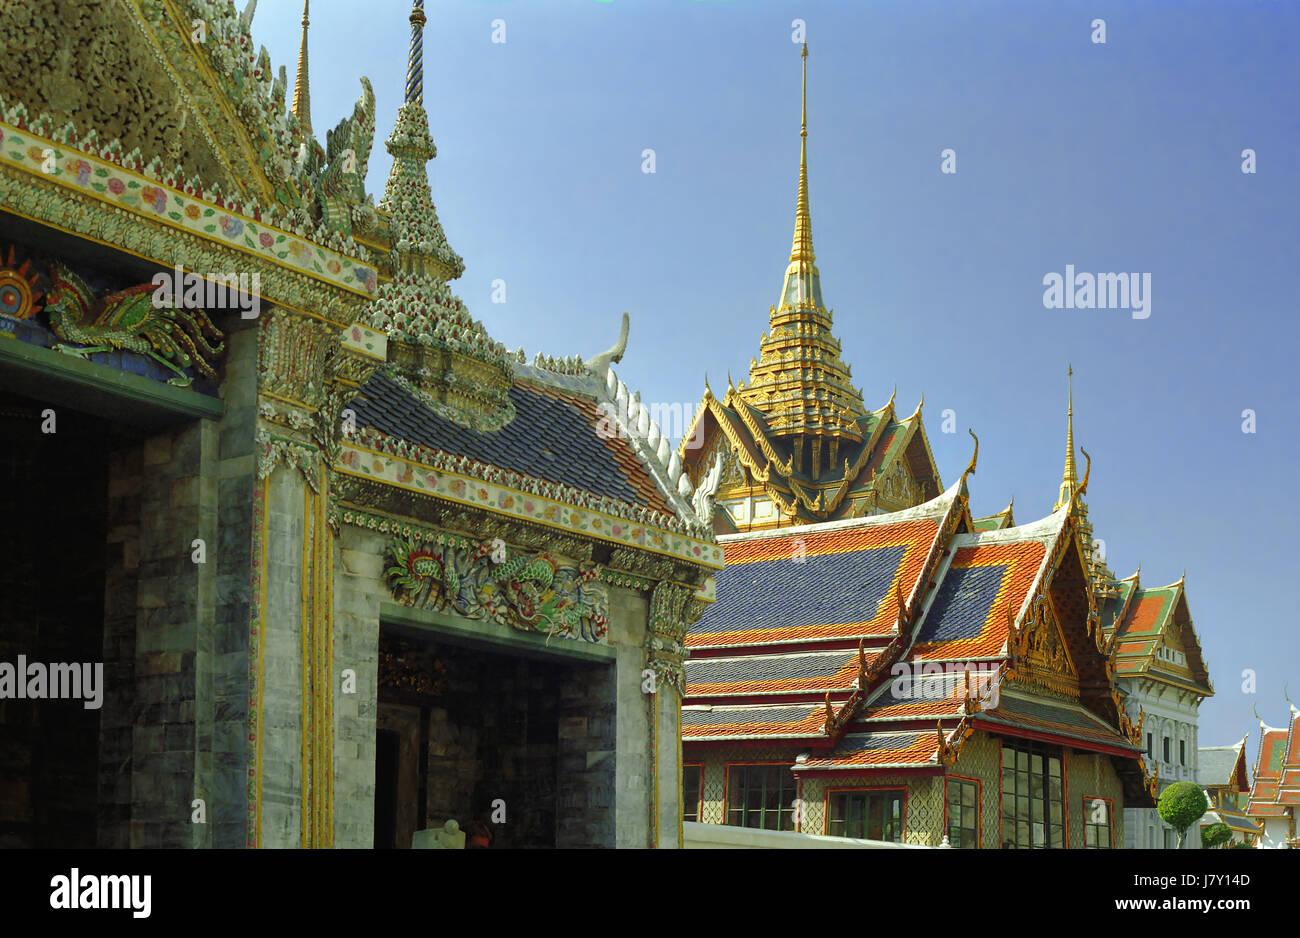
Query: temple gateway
x=353 y=570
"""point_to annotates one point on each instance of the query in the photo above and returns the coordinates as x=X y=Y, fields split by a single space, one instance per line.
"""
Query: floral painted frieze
x=526 y=506
x=529 y=592
x=122 y=188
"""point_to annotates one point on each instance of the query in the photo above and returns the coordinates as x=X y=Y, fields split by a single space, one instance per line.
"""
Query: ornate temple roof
x=810 y=620
x=451 y=413
x=797 y=430
x=1145 y=626
x=1276 y=790
x=1223 y=766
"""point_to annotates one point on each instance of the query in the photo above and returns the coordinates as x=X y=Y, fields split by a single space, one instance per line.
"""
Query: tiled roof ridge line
x=694 y=506
x=465 y=465
x=926 y=511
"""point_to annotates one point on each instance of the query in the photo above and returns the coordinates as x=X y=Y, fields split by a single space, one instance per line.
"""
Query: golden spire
x=301 y=93
x=1070 y=477
x=798 y=380
x=802 y=248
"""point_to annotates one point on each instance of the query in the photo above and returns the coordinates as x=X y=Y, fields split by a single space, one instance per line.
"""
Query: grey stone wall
x=629 y=617
x=358 y=592
x=236 y=468
x=117 y=718
x=282 y=662
x=174 y=619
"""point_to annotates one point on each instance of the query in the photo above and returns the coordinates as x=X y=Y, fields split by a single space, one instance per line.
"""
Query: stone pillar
x=172 y=739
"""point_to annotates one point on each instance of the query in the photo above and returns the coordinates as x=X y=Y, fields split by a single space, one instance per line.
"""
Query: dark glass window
x=873 y=815
x=963 y=813
x=761 y=796
x=1182 y=752
x=1096 y=824
x=1033 y=795
x=1150 y=746
x=1167 y=759
x=690 y=793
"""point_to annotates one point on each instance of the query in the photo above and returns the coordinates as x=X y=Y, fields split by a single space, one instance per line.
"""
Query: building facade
x=879 y=664
x=349 y=569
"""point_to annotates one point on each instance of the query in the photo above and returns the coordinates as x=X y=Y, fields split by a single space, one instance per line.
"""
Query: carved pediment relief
x=91 y=63
x=898 y=486
x=1043 y=660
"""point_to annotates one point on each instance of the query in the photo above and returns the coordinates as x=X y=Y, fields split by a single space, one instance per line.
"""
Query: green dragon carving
x=534 y=593
x=127 y=319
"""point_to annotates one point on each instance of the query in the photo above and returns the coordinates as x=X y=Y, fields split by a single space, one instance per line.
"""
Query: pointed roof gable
x=1270 y=761
x=1223 y=766
x=998 y=521
x=1152 y=624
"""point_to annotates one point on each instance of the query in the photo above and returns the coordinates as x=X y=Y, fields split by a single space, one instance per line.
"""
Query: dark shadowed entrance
x=522 y=743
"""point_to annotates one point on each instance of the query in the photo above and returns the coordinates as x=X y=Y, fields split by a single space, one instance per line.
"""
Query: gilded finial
x=301 y=107
x=802 y=249
x=892 y=394
x=1087 y=471
x=970 y=470
x=1255 y=708
x=1070 y=477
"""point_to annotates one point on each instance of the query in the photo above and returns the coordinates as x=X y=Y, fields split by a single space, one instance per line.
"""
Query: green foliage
x=1181 y=805
x=1216 y=835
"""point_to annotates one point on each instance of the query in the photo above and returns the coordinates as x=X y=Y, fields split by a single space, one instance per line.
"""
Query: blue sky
x=1117 y=157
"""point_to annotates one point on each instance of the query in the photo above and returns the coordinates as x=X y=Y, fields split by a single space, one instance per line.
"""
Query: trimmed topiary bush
x=1181 y=805
x=1216 y=835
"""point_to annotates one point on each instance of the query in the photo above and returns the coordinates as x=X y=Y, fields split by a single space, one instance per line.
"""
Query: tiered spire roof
x=798 y=381
x=418 y=308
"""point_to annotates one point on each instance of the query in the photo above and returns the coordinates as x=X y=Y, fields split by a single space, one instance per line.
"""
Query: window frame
x=851 y=789
x=979 y=808
x=699 y=799
x=765 y=763
x=1047 y=751
x=1087 y=821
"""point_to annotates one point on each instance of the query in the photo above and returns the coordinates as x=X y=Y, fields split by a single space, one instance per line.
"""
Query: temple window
x=1167 y=757
x=1033 y=795
x=691 y=792
x=761 y=796
x=1096 y=824
x=1182 y=752
x=869 y=814
x=963 y=813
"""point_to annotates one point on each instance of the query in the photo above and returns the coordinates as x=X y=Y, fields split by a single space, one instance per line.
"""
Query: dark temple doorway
x=54 y=498
x=522 y=745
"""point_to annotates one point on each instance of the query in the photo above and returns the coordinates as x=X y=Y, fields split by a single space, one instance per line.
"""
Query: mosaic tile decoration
x=136 y=193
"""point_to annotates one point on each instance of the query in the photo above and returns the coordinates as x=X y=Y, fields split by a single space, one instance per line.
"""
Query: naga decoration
x=950 y=746
x=128 y=320
x=341 y=188
x=532 y=593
